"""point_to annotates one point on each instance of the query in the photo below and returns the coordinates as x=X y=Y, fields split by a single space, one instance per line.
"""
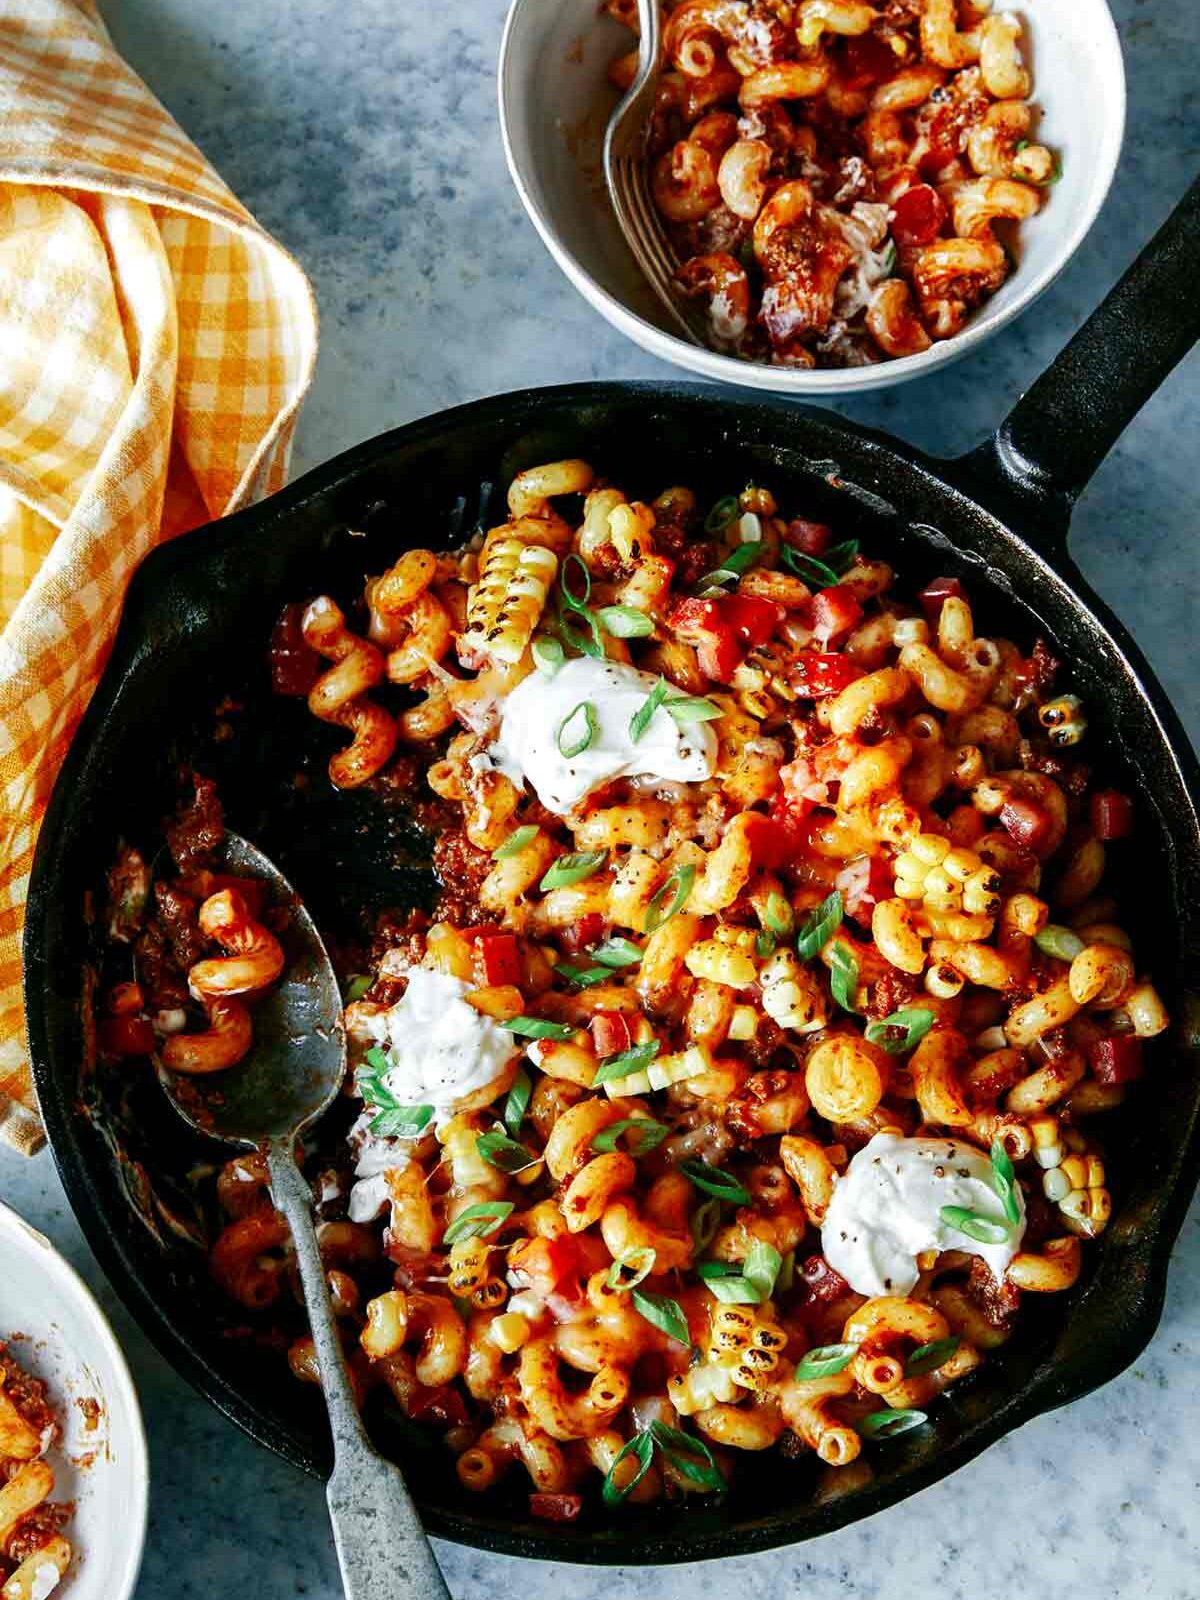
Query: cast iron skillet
x=195 y=629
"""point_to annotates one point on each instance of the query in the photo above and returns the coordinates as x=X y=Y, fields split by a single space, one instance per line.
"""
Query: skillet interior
x=195 y=630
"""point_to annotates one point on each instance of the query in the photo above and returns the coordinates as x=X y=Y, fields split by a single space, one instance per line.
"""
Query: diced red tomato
x=834 y=612
x=813 y=538
x=934 y=596
x=864 y=883
x=543 y=1264
x=125 y=1036
x=442 y=1406
x=817 y=674
x=1116 y=1060
x=791 y=812
x=500 y=956
x=610 y=1032
x=821 y=1281
x=753 y=620
x=295 y=665
x=918 y=215
x=723 y=628
x=869 y=59
x=1027 y=822
x=555 y=1507
x=589 y=930
x=1111 y=814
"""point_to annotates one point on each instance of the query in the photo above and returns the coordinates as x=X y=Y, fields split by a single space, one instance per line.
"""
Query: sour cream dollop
x=886 y=1210
x=440 y=1048
x=533 y=714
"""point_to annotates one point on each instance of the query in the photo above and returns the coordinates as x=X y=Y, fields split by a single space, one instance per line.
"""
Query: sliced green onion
x=617 y=953
x=498 y=1150
x=640 y=720
x=515 y=843
x=814 y=572
x=761 y=1267
x=823 y=921
x=576 y=603
x=682 y=1449
x=722 y=1185
x=986 y=1230
x=722 y=514
x=631 y=1060
x=777 y=915
x=902 y=1031
x=574 y=743
x=377 y=1060
x=728 y=1284
x=687 y=708
x=548 y=655
x=357 y=986
x=706 y=1219
x=884 y=1424
x=538 y=1028
x=573 y=868
x=1004 y=1181
x=765 y=943
x=1062 y=943
x=589 y=643
x=663 y=1312
x=476 y=1222
x=825 y=1360
x=841 y=557
x=585 y=977
x=739 y=560
x=625 y=622
x=517 y=1102
x=638 y=1261
x=641 y=1446
x=645 y=1135
x=663 y=907
x=929 y=1357
x=402 y=1122
x=1056 y=172
x=843 y=976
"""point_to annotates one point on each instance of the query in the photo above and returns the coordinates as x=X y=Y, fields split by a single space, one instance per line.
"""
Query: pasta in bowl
x=739 y=1087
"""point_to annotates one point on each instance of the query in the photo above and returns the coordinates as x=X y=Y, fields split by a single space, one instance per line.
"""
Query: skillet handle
x=1042 y=455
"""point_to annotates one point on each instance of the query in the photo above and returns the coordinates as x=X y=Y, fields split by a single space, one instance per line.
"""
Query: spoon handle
x=381 y=1546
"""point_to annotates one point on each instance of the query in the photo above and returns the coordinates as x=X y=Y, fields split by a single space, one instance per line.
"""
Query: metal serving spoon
x=627 y=175
x=292 y=1075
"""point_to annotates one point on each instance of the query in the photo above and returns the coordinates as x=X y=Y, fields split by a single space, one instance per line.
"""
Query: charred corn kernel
x=468 y=1265
x=1074 y=1169
x=759 y=1359
x=756 y=703
x=1076 y=1208
x=744 y=1023
x=942 y=900
x=1101 y=1208
x=929 y=848
x=509 y=1331
x=939 y=882
x=509 y=597
x=492 y=1292
x=1056 y=1185
x=943 y=982
x=1064 y=718
x=751 y=1377
x=980 y=893
x=761 y=501
x=737 y=938
x=960 y=864
x=731 y=1329
x=910 y=888
x=1049 y=1156
x=768 y=1336
x=791 y=995
x=720 y=963
x=706 y=1384
x=629 y=529
x=1095 y=1173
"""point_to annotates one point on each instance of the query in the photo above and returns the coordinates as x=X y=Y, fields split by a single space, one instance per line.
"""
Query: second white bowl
x=555 y=101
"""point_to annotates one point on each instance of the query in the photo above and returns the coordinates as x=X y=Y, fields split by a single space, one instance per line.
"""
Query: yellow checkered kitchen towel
x=155 y=345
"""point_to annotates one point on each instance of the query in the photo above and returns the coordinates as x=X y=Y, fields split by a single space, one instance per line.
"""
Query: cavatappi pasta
x=832 y=173
x=34 y=1553
x=772 y=917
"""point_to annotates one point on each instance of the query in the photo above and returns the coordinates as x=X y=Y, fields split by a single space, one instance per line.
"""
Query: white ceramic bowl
x=66 y=1339
x=555 y=102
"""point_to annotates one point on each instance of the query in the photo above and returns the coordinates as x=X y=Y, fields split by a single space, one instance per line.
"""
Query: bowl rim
x=1050 y=1385
x=807 y=382
x=86 y=1311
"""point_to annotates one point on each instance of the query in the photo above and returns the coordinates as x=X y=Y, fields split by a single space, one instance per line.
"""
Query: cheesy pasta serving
x=34 y=1554
x=832 y=173
x=741 y=1083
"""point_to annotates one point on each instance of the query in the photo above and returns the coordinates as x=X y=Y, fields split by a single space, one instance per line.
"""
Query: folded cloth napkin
x=155 y=345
